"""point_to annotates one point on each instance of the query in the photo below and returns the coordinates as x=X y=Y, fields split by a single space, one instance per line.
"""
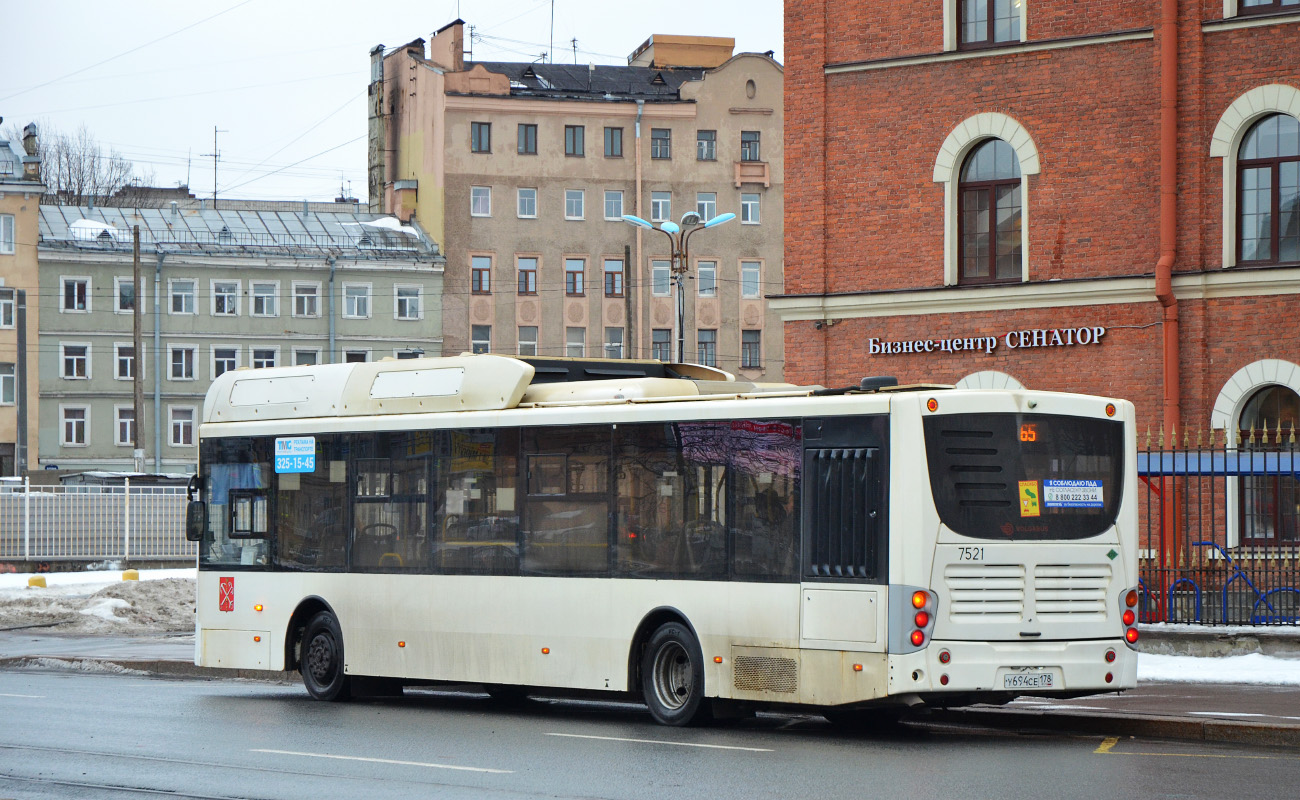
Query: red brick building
x=1098 y=197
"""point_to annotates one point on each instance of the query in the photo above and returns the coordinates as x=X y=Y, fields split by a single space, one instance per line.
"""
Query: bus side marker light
x=717 y=659
x=857 y=667
x=944 y=656
x=257 y=638
x=1110 y=409
x=546 y=651
x=932 y=404
x=1109 y=677
x=257 y=607
x=401 y=644
x=918 y=638
x=1131 y=635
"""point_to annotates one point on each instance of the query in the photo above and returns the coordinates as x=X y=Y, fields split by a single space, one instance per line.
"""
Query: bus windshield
x=1025 y=476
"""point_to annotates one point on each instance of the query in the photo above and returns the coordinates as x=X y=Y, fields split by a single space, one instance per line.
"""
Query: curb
x=1156 y=727
x=160 y=668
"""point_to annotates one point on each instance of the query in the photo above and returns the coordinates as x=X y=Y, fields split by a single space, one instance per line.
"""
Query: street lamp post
x=679 y=237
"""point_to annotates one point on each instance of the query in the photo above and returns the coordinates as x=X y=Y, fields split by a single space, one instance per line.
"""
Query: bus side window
x=566 y=513
x=476 y=521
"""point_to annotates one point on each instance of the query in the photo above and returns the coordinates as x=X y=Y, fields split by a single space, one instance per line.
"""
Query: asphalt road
x=101 y=736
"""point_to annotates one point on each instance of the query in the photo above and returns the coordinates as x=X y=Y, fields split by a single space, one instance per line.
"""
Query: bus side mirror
x=196 y=520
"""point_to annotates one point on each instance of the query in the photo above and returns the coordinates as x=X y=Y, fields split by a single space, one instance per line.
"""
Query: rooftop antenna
x=574 y=41
x=188 y=151
x=552 y=47
x=471 y=34
x=216 y=156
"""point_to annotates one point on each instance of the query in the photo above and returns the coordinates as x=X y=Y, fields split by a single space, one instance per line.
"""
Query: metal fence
x=1221 y=529
x=77 y=523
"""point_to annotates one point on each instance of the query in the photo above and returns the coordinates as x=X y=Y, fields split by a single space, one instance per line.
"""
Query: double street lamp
x=679 y=237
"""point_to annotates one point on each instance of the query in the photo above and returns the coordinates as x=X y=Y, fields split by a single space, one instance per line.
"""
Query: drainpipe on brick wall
x=157 y=364
x=640 y=265
x=333 y=358
x=1169 y=207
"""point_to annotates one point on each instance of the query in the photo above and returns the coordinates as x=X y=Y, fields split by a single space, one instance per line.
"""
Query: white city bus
x=664 y=531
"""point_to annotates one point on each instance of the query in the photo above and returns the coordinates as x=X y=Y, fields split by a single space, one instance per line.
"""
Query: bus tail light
x=1128 y=607
x=943 y=680
x=944 y=656
x=919 y=599
x=1110 y=656
x=918 y=638
x=911 y=629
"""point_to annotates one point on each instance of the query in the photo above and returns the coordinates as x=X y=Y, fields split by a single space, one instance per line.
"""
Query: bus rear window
x=1025 y=476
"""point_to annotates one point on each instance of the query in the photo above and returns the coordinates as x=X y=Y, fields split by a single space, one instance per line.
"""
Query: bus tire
x=672 y=676
x=321 y=663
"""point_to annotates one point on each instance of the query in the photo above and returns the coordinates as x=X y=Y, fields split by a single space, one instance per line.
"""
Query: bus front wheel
x=321 y=662
x=672 y=676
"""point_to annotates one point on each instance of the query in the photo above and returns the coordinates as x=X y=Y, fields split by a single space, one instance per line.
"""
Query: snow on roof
x=89 y=230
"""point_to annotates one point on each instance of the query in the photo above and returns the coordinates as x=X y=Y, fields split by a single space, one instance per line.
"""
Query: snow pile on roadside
x=1253 y=668
x=99 y=602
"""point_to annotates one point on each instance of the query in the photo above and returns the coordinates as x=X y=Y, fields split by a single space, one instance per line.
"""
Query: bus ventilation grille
x=763 y=674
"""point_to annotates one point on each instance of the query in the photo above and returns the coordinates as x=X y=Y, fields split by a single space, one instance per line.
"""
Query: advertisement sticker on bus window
x=295 y=454
x=1029 y=498
x=1072 y=494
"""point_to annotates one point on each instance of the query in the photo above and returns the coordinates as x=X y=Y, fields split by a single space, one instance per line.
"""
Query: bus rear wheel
x=672 y=677
x=321 y=661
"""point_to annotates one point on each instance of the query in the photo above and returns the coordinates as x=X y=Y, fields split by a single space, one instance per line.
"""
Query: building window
x=480 y=201
x=306 y=299
x=573 y=140
x=265 y=357
x=8 y=384
x=124 y=356
x=527 y=139
x=76 y=294
x=573 y=203
x=613 y=343
x=480 y=274
x=574 y=269
x=182 y=426
x=224 y=359
x=527 y=268
x=123 y=296
x=661 y=143
x=225 y=298
x=707 y=347
x=613 y=204
x=749 y=146
x=751 y=349
x=1266 y=6
x=356 y=356
x=75 y=421
x=661 y=344
x=7 y=308
x=706 y=278
x=480 y=338
x=613 y=277
x=661 y=206
x=1270 y=504
x=407 y=303
x=306 y=358
x=265 y=298
x=661 y=278
x=749 y=209
x=613 y=143
x=527 y=340
x=125 y=426
x=706 y=205
x=76 y=361
x=751 y=281
x=356 y=300
x=7 y=234
x=984 y=23
x=182 y=293
x=480 y=137
x=989 y=215
x=706 y=145
x=1268 y=166
x=182 y=363
x=575 y=342
x=527 y=207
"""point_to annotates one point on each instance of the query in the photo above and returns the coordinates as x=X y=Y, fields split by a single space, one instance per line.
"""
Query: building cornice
x=1126 y=290
x=1135 y=35
x=676 y=109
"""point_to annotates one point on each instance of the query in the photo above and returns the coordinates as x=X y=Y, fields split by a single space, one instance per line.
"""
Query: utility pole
x=137 y=345
x=216 y=156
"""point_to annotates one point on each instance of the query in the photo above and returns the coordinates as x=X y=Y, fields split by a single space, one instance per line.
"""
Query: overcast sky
x=285 y=80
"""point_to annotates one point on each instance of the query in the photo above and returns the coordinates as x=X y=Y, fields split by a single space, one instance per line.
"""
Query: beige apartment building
x=524 y=170
x=20 y=195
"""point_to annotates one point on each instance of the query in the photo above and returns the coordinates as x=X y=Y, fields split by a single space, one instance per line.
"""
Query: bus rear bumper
x=1020 y=668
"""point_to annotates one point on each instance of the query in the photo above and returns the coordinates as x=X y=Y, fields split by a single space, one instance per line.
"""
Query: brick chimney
x=32 y=163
